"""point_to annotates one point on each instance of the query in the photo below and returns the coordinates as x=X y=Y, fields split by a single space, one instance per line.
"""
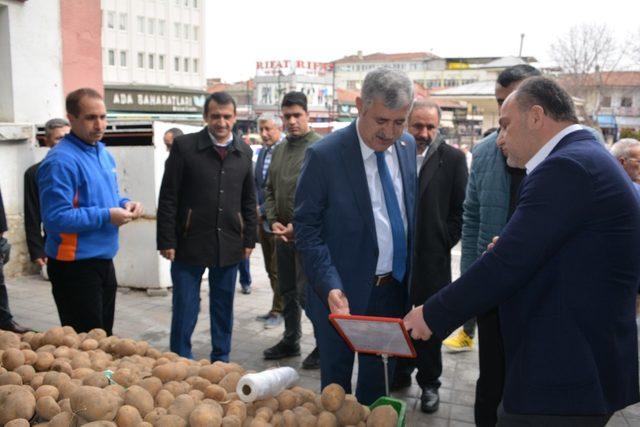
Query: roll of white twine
x=265 y=384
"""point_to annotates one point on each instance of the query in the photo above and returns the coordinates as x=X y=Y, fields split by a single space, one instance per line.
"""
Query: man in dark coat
x=442 y=179
x=207 y=219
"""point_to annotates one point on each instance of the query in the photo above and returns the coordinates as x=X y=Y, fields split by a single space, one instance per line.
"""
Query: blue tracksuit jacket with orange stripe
x=78 y=184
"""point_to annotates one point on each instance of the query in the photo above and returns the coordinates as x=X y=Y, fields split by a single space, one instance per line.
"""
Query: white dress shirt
x=215 y=141
x=380 y=216
x=547 y=148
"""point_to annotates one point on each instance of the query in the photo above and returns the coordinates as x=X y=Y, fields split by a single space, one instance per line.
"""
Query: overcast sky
x=241 y=32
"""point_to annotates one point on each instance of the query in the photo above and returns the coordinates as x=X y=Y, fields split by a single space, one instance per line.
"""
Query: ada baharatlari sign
x=154 y=101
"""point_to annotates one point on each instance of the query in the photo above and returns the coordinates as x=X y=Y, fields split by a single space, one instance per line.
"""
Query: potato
x=327 y=419
x=212 y=373
x=277 y=420
x=55 y=378
x=257 y=422
x=286 y=400
x=12 y=358
x=66 y=389
x=182 y=406
x=164 y=399
x=94 y=404
x=128 y=416
x=265 y=413
x=61 y=365
x=165 y=372
x=125 y=347
x=81 y=373
x=311 y=407
x=97 y=379
x=47 y=390
x=307 y=420
x=198 y=383
x=124 y=377
x=65 y=405
x=230 y=381
x=44 y=361
x=89 y=344
x=180 y=371
x=116 y=390
x=271 y=403
x=30 y=357
x=350 y=413
x=238 y=409
x=10 y=378
x=9 y=340
x=290 y=419
x=145 y=424
x=215 y=392
x=231 y=421
x=197 y=395
x=47 y=408
x=306 y=394
x=151 y=384
x=383 y=416
x=54 y=336
x=153 y=353
x=100 y=423
x=205 y=416
x=26 y=372
x=63 y=419
x=97 y=334
x=80 y=360
x=18 y=422
x=170 y=420
x=332 y=398
x=140 y=399
x=153 y=416
x=16 y=402
x=62 y=352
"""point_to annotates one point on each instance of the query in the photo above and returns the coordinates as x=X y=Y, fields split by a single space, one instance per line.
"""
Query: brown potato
x=26 y=372
x=151 y=384
x=383 y=416
x=231 y=421
x=164 y=399
x=65 y=405
x=165 y=372
x=18 y=422
x=128 y=416
x=170 y=420
x=286 y=400
x=332 y=398
x=47 y=407
x=215 y=392
x=271 y=403
x=67 y=388
x=153 y=416
x=43 y=361
x=182 y=406
x=16 y=402
x=9 y=340
x=63 y=419
x=30 y=357
x=204 y=416
x=350 y=413
x=97 y=379
x=54 y=336
x=89 y=344
x=47 y=390
x=125 y=347
x=327 y=419
x=230 y=381
x=12 y=358
x=10 y=378
x=237 y=408
x=94 y=404
x=139 y=398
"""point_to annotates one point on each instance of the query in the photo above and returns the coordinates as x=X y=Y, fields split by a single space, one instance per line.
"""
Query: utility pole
x=521 y=43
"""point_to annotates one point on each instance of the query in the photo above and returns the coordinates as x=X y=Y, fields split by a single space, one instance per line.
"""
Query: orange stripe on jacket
x=68 y=241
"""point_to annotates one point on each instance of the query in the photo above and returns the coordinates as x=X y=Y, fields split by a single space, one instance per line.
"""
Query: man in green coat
x=279 y=201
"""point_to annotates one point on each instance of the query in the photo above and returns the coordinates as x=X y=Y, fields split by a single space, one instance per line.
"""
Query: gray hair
x=621 y=148
x=426 y=105
x=268 y=117
x=55 y=124
x=392 y=87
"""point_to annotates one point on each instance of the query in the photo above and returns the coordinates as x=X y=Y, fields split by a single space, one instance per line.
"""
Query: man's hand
x=169 y=254
x=493 y=243
x=281 y=232
x=41 y=261
x=338 y=302
x=120 y=216
x=414 y=322
x=135 y=208
x=247 y=252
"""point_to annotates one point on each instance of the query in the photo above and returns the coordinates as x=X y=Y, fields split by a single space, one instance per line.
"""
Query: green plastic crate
x=399 y=405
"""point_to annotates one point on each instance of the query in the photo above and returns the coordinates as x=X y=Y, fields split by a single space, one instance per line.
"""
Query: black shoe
x=429 y=400
x=312 y=361
x=12 y=326
x=263 y=317
x=400 y=381
x=281 y=350
x=246 y=290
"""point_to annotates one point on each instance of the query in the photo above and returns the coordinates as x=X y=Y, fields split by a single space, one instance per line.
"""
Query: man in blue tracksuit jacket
x=81 y=211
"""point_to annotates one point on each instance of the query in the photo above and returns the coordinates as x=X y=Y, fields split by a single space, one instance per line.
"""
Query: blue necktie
x=395 y=218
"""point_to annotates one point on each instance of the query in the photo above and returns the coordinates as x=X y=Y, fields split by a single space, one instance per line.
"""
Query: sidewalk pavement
x=143 y=317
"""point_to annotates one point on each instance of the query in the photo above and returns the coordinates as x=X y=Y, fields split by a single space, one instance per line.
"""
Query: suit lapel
x=354 y=167
x=408 y=179
x=430 y=166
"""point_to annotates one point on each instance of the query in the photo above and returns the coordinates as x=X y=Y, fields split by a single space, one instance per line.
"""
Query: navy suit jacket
x=333 y=218
x=565 y=275
x=260 y=182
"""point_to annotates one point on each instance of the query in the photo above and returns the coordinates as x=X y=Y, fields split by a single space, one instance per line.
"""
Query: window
x=123 y=22
x=626 y=102
x=185 y=34
x=151 y=26
x=140 y=60
x=123 y=58
x=112 y=56
x=111 y=17
x=195 y=65
x=176 y=29
x=151 y=61
x=161 y=27
x=141 y=24
x=186 y=65
x=606 y=101
x=196 y=32
x=161 y=62
x=176 y=63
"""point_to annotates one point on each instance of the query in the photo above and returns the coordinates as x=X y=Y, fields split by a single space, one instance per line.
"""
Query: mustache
x=422 y=142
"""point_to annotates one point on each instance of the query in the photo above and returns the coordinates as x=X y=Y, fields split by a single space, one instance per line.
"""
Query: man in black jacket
x=54 y=131
x=442 y=180
x=207 y=219
x=6 y=319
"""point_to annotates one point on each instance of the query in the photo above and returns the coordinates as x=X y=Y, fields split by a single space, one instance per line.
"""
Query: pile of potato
x=61 y=378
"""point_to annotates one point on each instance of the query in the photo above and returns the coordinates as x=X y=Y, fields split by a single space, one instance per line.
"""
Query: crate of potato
x=60 y=378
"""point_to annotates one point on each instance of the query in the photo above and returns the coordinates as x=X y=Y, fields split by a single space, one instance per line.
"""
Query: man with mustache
x=81 y=211
x=442 y=180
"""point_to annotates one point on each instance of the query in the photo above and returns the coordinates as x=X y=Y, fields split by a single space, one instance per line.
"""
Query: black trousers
x=518 y=420
x=491 y=380
x=5 y=313
x=428 y=362
x=291 y=287
x=84 y=292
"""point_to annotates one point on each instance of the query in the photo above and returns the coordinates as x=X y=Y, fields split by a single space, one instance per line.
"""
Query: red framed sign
x=374 y=335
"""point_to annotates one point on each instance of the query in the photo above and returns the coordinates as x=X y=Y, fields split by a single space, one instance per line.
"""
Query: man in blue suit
x=564 y=271
x=353 y=223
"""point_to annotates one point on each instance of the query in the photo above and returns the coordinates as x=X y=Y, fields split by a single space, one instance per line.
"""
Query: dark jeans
x=428 y=362
x=5 y=312
x=336 y=358
x=84 y=292
x=244 y=268
x=518 y=420
x=186 y=306
x=291 y=284
x=491 y=379
x=268 y=245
